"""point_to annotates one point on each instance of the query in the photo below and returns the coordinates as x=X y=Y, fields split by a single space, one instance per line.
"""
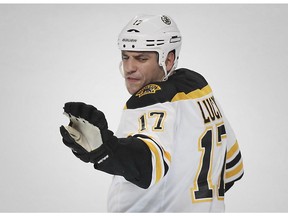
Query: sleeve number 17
x=158 y=124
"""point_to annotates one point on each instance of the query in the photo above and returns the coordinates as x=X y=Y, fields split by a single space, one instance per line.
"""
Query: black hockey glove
x=90 y=140
x=86 y=133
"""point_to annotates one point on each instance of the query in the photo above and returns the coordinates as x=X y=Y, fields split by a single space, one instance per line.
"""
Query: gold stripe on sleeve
x=231 y=152
x=167 y=155
x=158 y=160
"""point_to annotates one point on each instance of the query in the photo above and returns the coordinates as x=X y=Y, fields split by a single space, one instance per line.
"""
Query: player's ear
x=170 y=60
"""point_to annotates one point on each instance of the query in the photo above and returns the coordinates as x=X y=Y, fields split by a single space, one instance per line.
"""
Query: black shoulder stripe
x=183 y=80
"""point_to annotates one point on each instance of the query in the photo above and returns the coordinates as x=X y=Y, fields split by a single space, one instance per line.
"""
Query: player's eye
x=142 y=58
x=124 y=57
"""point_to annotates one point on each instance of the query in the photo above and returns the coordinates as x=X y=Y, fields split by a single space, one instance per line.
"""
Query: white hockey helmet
x=152 y=33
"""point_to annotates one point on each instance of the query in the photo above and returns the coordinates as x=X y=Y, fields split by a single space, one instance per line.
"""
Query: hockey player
x=174 y=150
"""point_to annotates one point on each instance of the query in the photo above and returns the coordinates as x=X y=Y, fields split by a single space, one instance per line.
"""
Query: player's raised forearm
x=91 y=141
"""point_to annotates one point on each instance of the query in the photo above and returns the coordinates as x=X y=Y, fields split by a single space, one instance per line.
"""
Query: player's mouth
x=132 y=79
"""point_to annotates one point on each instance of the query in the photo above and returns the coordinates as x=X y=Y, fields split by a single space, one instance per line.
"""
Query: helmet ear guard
x=157 y=33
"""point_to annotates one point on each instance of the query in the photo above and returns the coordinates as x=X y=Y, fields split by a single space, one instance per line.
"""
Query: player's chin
x=132 y=89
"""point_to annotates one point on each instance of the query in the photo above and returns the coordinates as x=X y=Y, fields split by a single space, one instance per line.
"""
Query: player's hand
x=84 y=132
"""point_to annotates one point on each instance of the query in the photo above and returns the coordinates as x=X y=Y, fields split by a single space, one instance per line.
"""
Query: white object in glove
x=84 y=133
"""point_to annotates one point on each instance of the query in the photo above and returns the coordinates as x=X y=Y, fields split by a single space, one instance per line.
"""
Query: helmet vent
x=154 y=42
x=175 y=39
x=133 y=30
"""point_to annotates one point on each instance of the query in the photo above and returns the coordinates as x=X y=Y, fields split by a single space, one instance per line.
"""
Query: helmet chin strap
x=121 y=68
x=166 y=74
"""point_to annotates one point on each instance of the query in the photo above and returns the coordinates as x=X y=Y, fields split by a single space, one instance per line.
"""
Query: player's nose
x=130 y=66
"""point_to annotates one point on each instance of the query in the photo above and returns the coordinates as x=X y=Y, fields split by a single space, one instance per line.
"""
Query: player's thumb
x=76 y=135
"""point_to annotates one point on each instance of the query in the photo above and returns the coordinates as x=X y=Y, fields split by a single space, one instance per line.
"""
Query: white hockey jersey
x=195 y=154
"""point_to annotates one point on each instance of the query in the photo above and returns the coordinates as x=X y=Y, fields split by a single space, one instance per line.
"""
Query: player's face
x=140 y=69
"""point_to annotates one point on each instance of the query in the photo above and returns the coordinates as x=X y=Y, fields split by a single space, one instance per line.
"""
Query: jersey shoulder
x=182 y=81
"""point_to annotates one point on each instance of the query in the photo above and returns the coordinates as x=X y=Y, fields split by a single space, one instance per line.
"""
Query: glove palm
x=83 y=134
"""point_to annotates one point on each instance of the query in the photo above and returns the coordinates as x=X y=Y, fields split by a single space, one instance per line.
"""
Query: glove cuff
x=97 y=156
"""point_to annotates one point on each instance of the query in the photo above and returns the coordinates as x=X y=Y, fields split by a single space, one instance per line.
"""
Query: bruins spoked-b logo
x=166 y=20
x=149 y=89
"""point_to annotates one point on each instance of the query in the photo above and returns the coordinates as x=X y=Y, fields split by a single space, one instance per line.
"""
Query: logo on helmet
x=129 y=40
x=166 y=20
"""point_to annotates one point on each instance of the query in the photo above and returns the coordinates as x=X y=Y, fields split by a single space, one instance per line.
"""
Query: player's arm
x=234 y=165
x=234 y=170
x=91 y=141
